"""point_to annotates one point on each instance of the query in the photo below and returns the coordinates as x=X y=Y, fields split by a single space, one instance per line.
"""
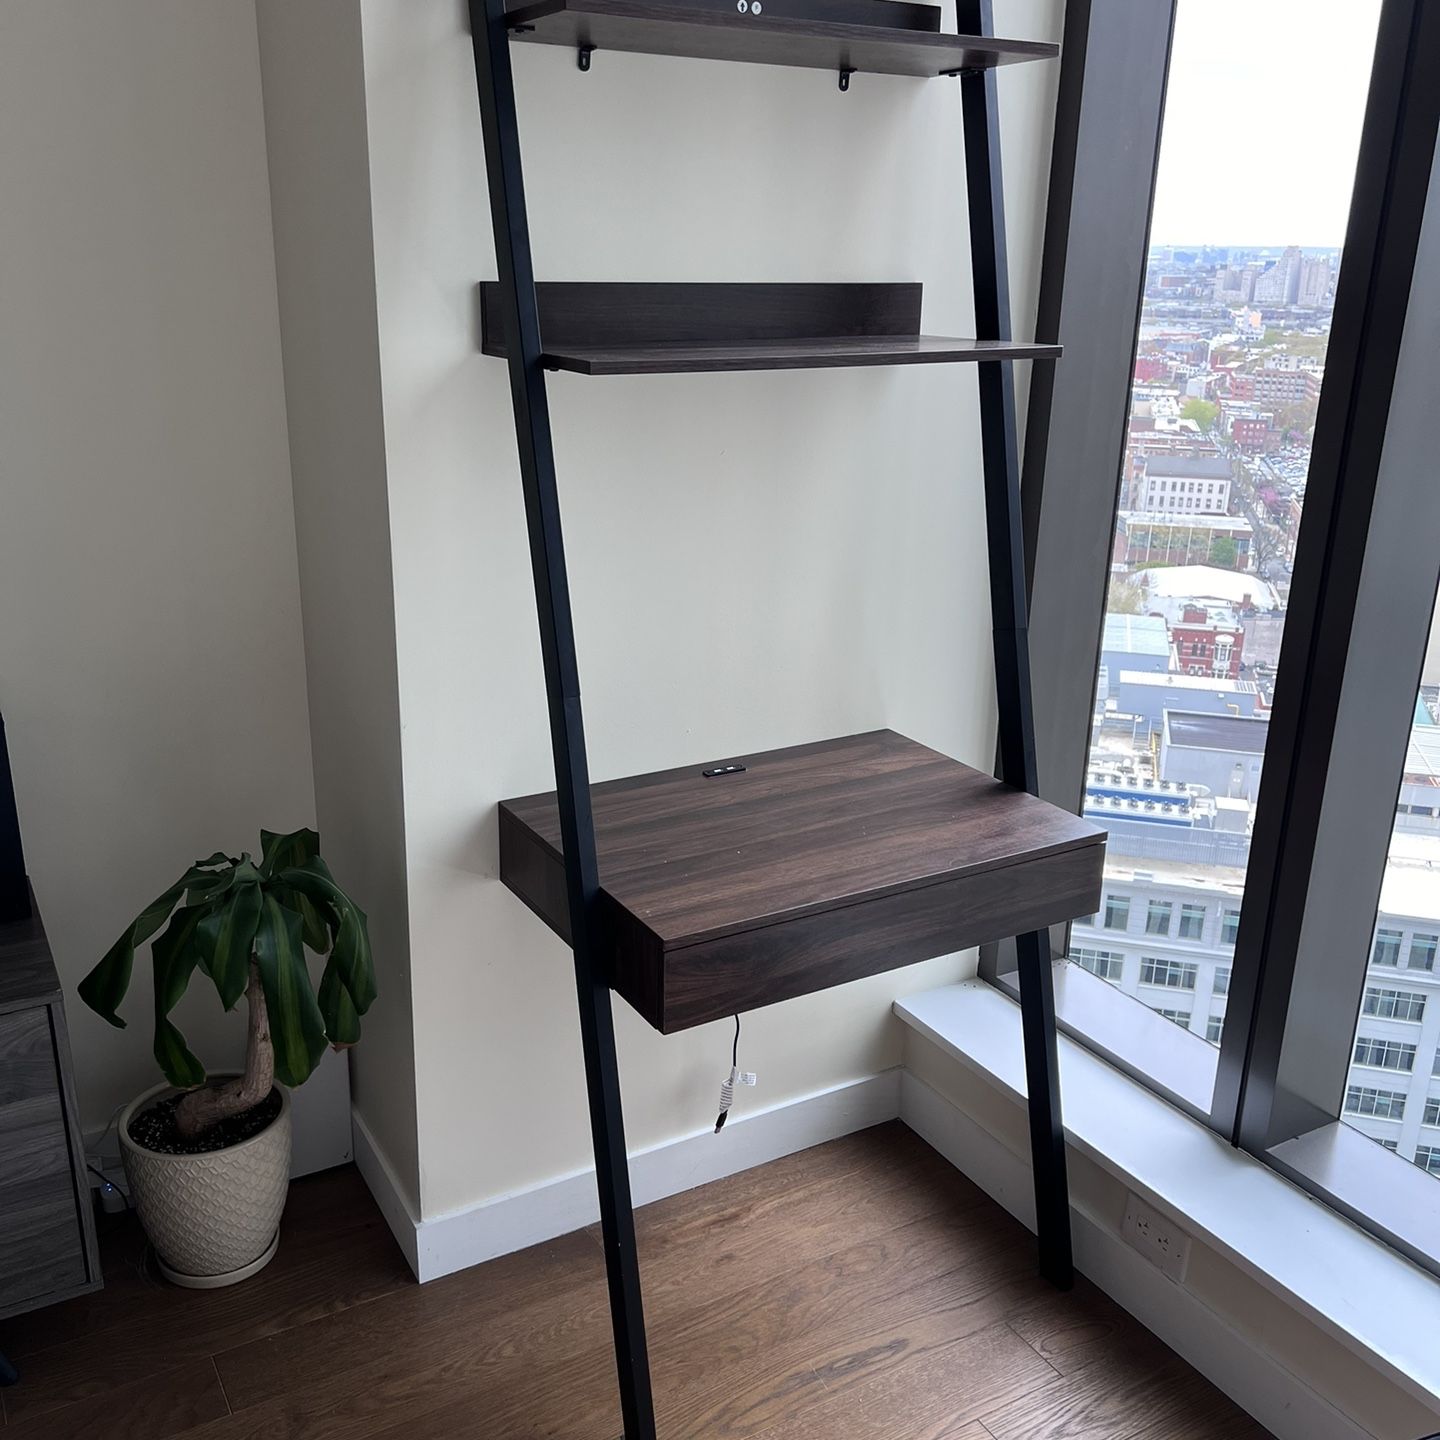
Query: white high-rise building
x=1165 y=934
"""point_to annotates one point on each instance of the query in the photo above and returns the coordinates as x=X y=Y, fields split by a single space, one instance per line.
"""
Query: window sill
x=1132 y=1036
x=1372 y=1300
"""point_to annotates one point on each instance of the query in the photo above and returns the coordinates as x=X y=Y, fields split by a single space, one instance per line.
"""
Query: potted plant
x=208 y=1158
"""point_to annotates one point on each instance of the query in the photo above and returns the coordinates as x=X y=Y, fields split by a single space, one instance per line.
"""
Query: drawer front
x=41 y=1246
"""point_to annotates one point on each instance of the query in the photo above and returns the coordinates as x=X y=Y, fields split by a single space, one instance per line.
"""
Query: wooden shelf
x=783 y=34
x=654 y=329
x=816 y=865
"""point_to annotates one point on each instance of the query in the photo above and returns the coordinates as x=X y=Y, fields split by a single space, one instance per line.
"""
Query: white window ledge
x=1369 y=1297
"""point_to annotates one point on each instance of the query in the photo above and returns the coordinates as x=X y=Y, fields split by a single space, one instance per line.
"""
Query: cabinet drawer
x=41 y=1246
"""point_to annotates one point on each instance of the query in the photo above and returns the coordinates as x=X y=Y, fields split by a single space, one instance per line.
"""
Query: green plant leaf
x=177 y=1064
x=342 y=1024
x=296 y=1025
x=280 y=852
x=211 y=887
x=226 y=936
x=175 y=956
x=352 y=954
x=314 y=921
x=351 y=948
x=104 y=987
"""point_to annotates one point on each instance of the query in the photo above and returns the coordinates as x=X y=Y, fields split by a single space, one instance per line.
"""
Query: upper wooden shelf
x=652 y=329
x=785 y=32
x=812 y=866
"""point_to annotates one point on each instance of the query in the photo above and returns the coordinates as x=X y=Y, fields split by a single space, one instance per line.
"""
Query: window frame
x=1331 y=778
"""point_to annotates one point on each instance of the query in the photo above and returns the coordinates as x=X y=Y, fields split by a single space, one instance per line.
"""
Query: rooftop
x=1422 y=754
x=1208 y=683
x=1192 y=730
x=1190 y=467
x=1136 y=634
x=1411 y=887
x=1236 y=524
x=1206 y=582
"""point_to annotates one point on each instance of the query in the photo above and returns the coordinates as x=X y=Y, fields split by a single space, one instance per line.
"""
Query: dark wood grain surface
x=816 y=354
x=820 y=863
x=27 y=972
x=861 y=1290
x=890 y=15
x=671 y=328
x=41 y=1245
x=652 y=27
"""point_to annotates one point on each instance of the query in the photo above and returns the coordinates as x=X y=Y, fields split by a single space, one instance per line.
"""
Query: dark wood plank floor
x=862 y=1290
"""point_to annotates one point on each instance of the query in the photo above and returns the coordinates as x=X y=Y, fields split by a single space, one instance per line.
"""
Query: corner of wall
x=312 y=71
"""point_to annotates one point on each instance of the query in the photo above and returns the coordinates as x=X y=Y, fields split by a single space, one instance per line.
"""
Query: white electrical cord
x=736 y=1077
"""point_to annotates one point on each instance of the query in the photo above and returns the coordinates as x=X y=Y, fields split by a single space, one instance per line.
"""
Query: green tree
x=1126 y=597
x=1203 y=412
x=1223 y=552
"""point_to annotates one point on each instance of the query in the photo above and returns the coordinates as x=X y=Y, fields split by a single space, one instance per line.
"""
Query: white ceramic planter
x=214 y=1219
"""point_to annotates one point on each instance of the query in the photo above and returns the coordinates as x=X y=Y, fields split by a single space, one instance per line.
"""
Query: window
x=1427 y=1157
x=1432 y=1112
x=1117 y=912
x=1384 y=1054
x=1394 y=1004
x=1192 y=922
x=1285 y=574
x=1382 y=1104
x=1387 y=948
x=1390 y=1145
x=1422 y=951
x=1222 y=981
x=1179 y=1017
x=1107 y=964
x=1177 y=974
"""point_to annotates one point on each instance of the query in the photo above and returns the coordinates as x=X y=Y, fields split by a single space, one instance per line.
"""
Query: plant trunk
x=210 y=1104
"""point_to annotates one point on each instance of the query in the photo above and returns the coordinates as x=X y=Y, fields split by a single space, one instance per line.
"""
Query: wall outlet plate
x=1160 y=1240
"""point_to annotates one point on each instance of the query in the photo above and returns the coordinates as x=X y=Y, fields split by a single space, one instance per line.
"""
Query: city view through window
x=1229 y=365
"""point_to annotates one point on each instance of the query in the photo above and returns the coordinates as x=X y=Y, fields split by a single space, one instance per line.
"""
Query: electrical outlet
x=1159 y=1240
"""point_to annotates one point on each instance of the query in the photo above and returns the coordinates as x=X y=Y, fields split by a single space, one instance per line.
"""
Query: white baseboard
x=375 y=1169
x=442 y=1244
x=1258 y=1383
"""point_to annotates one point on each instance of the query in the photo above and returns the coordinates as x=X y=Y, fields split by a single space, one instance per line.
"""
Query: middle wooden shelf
x=644 y=328
x=778 y=874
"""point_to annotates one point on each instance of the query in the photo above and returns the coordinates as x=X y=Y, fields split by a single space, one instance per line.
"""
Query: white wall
x=756 y=560
x=314 y=92
x=151 y=669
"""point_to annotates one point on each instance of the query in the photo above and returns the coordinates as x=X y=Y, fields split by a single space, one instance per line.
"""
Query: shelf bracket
x=845 y=73
x=582 y=56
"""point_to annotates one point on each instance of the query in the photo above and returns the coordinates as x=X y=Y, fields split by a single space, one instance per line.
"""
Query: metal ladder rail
x=980 y=115
x=496 y=85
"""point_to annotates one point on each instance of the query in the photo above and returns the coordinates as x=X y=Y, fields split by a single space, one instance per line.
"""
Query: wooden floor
x=862 y=1290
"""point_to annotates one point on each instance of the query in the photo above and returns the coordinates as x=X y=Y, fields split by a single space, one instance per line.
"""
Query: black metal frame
x=1397 y=151
x=495 y=83
x=980 y=112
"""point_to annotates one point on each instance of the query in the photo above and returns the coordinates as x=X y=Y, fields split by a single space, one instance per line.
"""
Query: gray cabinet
x=47 y=1225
